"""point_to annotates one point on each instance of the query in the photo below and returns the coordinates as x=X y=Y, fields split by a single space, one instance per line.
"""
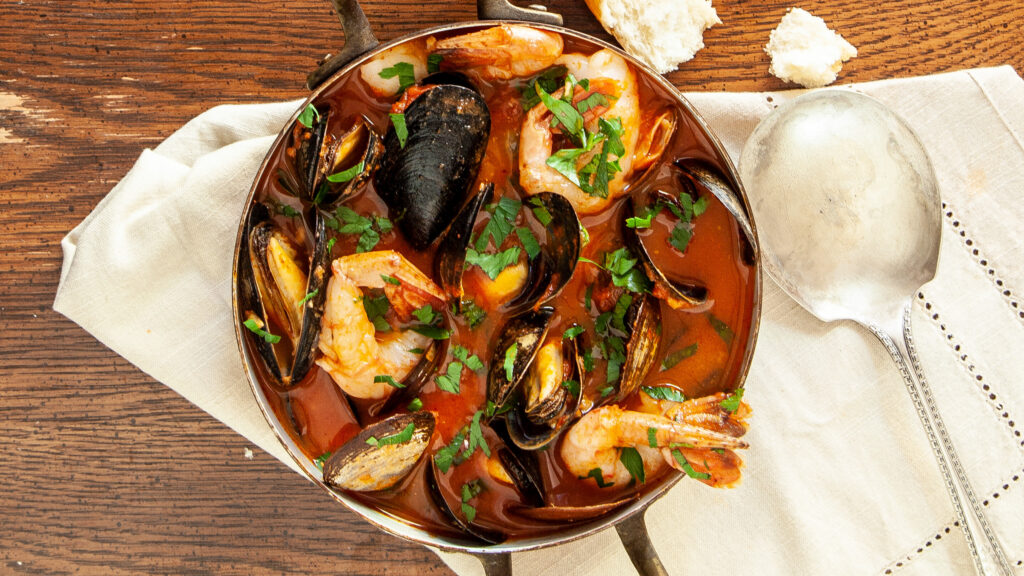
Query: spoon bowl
x=849 y=216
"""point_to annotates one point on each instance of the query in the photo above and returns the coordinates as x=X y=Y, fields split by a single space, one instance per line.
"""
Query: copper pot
x=361 y=45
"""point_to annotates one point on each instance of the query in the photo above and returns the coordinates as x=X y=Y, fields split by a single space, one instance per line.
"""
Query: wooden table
x=104 y=470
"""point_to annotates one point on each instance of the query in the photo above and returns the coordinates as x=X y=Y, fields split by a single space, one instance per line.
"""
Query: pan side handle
x=359 y=40
x=496 y=564
x=505 y=10
x=633 y=533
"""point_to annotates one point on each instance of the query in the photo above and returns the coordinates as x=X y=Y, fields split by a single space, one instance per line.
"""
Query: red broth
x=320 y=419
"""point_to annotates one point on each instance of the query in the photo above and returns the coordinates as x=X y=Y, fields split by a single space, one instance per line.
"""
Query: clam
x=286 y=294
x=381 y=455
x=425 y=178
x=332 y=168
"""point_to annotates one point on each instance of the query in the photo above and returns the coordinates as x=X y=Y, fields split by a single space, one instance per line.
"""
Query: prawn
x=353 y=353
x=595 y=440
x=611 y=75
x=502 y=52
x=372 y=73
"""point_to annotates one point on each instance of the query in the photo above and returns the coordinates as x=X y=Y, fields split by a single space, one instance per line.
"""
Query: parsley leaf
x=405 y=72
x=450 y=380
x=376 y=307
x=256 y=327
x=549 y=79
x=573 y=332
x=472 y=313
x=322 y=459
x=369 y=229
x=529 y=242
x=385 y=378
x=510 y=360
x=680 y=238
x=398 y=120
x=664 y=393
x=678 y=356
x=470 y=361
x=391 y=279
x=724 y=332
x=501 y=223
x=685 y=465
x=732 y=403
x=470 y=490
x=432 y=332
x=476 y=437
x=415 y=405
x=625 y=273
x=493 y=264
x=308 y=296
x=570 y=118
x=652 y=437
x=434 y=63
x=540 y=211
x=307 y=116
x=404 y=436
x=425 y=314
x=572 y=386
x=346 y=175
x=598 y=477
x=446 y=456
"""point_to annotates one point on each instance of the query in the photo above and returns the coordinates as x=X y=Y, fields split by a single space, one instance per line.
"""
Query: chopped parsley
x=607 y=391
x=376 y=307
x=322 y=459
x=685 y=465
x=415 y=405
x=732 y=403
x=510 y=360
x=451 y=379
x=308 y=297
x=572 y=386
x=540 y=211
x=472 y=313
x=500 y=225
x=549 y=80
x=369 y=228
x=385 y=378
x=634 y=464
x=405 y=72
x=625 y=273
x=619 y=313
x=598 y=477
x=434 y=63
x=678 y=356
x=493 y=264
x=445 y=457
x=286 y=210
x=664 y=393
x=256 y=327
x=431 y=331
x=308 y=114
x=330 y=244
x=470 y=361
x=425 y=314
x=652 y=437
x=470 y=490
x=723 y=330
x=391 y=279
x=346 y=175
x=398 y=121
x=529 y=242
x=404 y=436
x=573 y=332
x=476 y=437
x=644 y=221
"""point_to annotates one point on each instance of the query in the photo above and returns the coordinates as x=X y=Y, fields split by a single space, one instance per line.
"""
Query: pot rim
x=392 y=524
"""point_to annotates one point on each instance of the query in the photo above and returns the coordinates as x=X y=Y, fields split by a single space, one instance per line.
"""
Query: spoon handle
x=900 y=344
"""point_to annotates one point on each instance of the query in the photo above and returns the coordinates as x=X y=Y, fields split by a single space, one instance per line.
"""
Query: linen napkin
x=839 y=478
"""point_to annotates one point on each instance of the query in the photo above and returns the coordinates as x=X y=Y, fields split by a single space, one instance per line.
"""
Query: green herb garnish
x=432 y=332
x=678 y=356
x=346 y=175
x=540 y=211
x=425 y=314
x=369 y=229
x=510 y=360
x=573 y=332
x=391 y=279
x=572 y=386
x=500 y=225
x=322 y=459
x=493 y=264
x=549 y=80
x=451 y=379
x=445 y=457
x=376 y=307
x=732 y=403
x=664 y=393
x=404 y=436
x=652 y=437
x=384 y=378
x=634 y=464
x=470 y=361
x=256 y=327
x=434 y=63
x=398 y=121
x=723 y=330
x=685 y=465
x=415 y=405
x=598 y=477
x=308 y=297
x=529 y=242
x=472 y=313
x=308 y=114
x=405 y=72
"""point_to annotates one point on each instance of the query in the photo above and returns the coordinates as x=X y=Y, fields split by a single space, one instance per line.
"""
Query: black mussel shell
x=266 y=300
x=644 y=321
x=426 y=180
x=524 y=470
x=359 y=144
x=526 y=332
x=365 y=465
x=447 y=77
x=447 y=500
x=451 y=261
x=308 y=147
x=533 y=428
x=252 y=307
x=424 y=371
x=679 y=293
x=551 y=270
x=573 y=513
x=707 y=177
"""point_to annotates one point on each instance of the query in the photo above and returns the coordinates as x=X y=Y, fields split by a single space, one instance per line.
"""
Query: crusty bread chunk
x=662 y=33
x=805 y=51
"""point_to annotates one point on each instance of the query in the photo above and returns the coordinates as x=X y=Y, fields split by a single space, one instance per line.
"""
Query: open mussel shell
x=679 y=293
x=288 y=294
x=424 y=371
x=375 y=460
x=527 y=333
x=425 y=180
x=643 y=319
x=551 y=270
x=307 y=148
x=451 y=261
x=339 y=176
x=447 y=501
x=548 y=407
x=573 y=513
x=705 y=176
x=524 y=471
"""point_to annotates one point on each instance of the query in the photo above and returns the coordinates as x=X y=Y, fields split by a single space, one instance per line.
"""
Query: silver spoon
x=848 y=214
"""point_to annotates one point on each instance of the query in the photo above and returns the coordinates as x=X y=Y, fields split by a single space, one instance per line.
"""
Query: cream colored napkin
x=839 y=478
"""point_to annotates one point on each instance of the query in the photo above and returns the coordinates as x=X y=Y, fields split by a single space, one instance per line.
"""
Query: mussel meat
x=381 y=455
x=425 y=176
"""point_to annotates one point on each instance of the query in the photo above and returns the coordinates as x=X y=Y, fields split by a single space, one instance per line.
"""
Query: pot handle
x=359 y=40
x=499 y=564
x=633 y=533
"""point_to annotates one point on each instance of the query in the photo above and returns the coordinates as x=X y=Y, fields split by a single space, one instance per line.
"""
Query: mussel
x=546 y=274
x=284 y=293
x=551 y=390
x=425 y=176
x=643 y=319
x=333 y=167
x=516 y=347
x=381 y=455
x=703 y=175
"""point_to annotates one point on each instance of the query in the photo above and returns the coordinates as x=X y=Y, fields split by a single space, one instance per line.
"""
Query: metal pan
x=361 y=45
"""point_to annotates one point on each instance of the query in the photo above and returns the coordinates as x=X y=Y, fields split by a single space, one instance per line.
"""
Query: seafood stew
x=492 y=291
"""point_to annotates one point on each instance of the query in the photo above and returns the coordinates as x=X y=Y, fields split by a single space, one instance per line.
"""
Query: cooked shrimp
x=594 y=441
x=353 y=352
x=414 y=53
x=501 y=52
x=611 y=75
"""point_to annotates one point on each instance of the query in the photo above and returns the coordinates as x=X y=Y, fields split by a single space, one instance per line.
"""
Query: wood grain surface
x=106 y=471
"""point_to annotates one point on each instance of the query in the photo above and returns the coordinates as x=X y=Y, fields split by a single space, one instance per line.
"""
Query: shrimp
x=414 y=53
x=501 y=52
x=594 y=441
x=610 y=75
x=353 y=353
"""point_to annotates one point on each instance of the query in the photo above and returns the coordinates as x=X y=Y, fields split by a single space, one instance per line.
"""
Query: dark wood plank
x=107 y=471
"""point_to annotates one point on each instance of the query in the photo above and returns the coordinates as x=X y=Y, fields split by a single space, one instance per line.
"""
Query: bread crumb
x=805 y=51
x=661 y=34
x=248 y=453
